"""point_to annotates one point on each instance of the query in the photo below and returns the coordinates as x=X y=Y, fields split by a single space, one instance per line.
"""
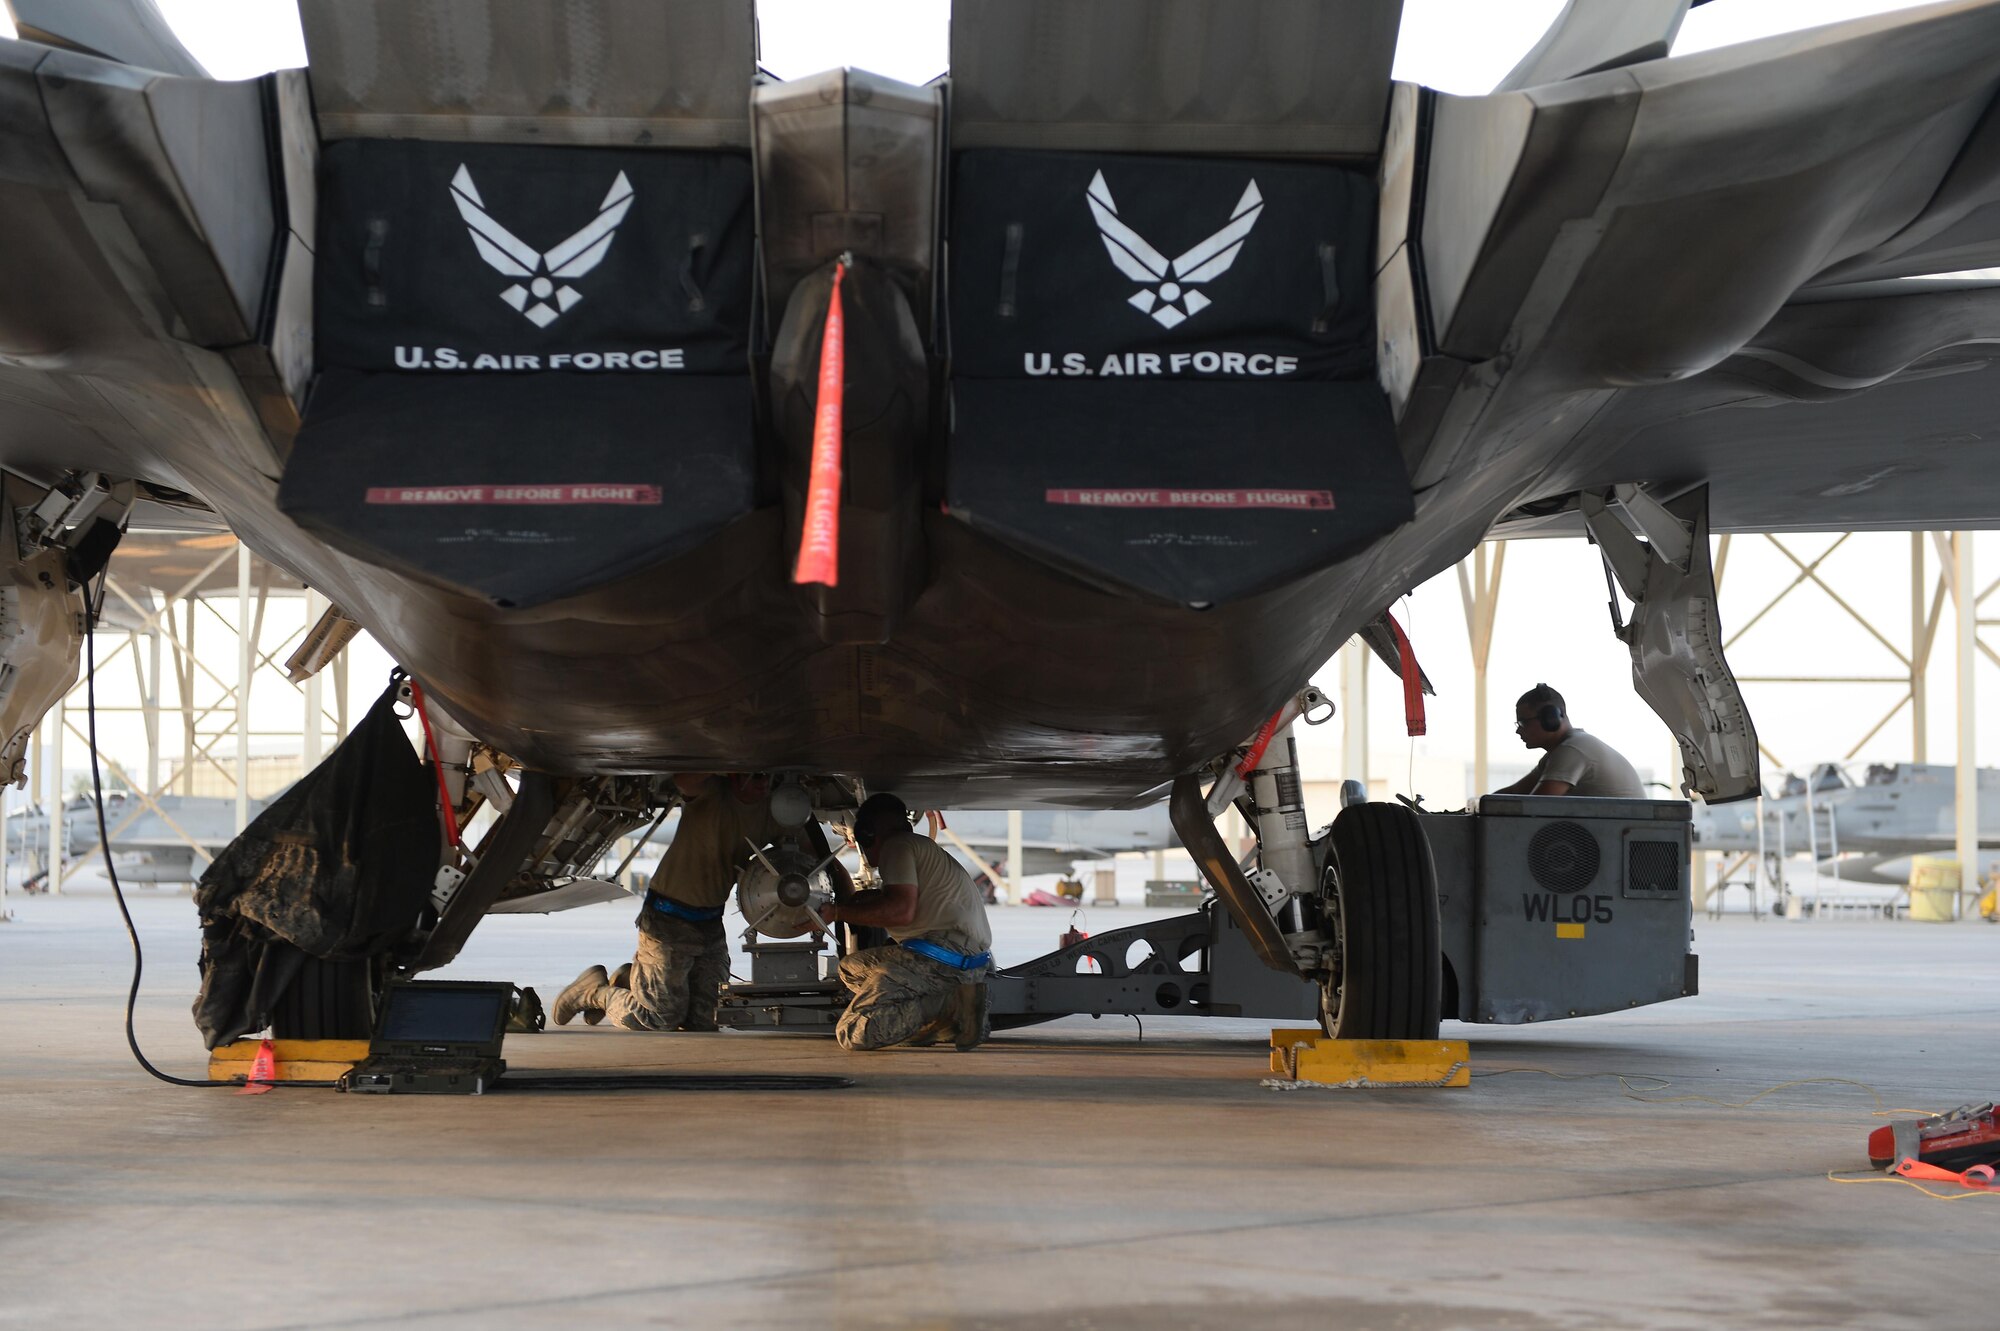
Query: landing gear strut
x=1355 y=910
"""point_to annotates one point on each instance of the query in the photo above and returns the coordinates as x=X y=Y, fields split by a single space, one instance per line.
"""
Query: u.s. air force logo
x=1169 y=294
x=547 y=274
x=1168 y=285
x=544 y=291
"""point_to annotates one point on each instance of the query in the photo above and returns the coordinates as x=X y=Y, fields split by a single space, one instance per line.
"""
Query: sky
x=1460 y=46
x=1552 y=623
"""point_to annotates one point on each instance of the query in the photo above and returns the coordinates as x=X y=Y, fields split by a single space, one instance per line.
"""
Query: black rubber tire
x=327 y=1000
x=1391 y=967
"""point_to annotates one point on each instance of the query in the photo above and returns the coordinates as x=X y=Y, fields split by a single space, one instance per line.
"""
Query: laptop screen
x=435 y=1014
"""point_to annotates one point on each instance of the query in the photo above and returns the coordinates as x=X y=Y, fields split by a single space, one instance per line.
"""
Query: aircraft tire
x=1384 y=889
x=327 y=1000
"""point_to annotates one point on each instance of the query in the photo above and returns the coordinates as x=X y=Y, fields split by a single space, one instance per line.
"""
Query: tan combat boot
x=586 y=993
x=620 y=979
x=971 y=1017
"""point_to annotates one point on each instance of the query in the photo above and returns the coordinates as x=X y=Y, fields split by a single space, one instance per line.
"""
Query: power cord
x=96 y=609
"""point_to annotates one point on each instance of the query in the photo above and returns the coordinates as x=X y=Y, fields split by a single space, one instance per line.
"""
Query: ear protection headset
x=1550 y=716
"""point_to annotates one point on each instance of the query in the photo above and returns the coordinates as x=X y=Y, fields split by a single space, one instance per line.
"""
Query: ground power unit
x=1563 y=906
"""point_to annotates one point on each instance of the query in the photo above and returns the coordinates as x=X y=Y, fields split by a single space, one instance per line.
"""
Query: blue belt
x=698 y=914
x=943 y=955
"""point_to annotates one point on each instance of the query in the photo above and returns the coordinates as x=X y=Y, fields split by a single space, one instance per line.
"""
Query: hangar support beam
x=1479 y=591
x=1910 y=663
x=214 y=709
x=1909 y=659
x=1968 y=761
x=1354 y=711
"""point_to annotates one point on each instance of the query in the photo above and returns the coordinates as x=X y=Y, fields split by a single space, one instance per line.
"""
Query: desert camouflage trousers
x=675 y=979
x=896 y=994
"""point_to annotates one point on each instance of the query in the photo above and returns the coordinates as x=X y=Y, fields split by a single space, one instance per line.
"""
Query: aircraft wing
x=1728 y=265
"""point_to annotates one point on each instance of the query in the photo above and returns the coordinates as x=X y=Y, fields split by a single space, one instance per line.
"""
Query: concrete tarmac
x=1065 y=1176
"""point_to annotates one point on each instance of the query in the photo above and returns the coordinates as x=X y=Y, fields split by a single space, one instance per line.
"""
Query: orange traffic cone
x=263 y=1070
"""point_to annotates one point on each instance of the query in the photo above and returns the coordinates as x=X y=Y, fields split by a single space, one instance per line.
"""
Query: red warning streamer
x=449 y=814
x=1260 y=742
x=1978 y=1176
x=1413 y=679
x=819 y=542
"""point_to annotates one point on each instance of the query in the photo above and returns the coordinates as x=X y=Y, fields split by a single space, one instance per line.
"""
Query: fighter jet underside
x=1179 y=342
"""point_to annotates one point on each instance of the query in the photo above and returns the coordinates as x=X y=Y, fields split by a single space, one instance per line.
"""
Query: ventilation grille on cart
x=1563 y=857
x=1653 y=868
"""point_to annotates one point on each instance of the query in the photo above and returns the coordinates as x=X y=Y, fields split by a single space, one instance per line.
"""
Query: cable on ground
x=95 y=607
x=1879 y=1176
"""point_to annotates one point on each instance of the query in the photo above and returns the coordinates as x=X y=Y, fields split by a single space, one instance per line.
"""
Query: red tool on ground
x=1967 y=1138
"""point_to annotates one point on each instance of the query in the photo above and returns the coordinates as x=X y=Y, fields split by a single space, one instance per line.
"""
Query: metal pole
x=340 y=697
x=1785 y=906
x=315 y=703
x=245 y=645
x=1812 y=836
x=1354 y=711
x=1481 y=596
x=58 y=813
x=1479 y=781
x=1760 y=870
x=1919 y=694
x=38 y=780
x=1967 y=598
x=152 y=706
x=187 y=703
x=1014 y=855
x=6 y=851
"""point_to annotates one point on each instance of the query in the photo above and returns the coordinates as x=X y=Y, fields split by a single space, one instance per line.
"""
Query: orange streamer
x=1413 y=680
x=819 y=542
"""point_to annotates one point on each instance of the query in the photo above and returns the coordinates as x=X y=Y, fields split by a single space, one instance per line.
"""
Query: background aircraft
x=1053 y=841
x=1896 y=811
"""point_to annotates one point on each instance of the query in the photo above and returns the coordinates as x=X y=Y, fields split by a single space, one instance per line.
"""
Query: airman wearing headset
x=1574 y=763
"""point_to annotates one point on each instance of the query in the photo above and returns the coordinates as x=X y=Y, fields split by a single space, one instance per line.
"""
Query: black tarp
x=337 y=867
x=1163 y=368
x=533 y=361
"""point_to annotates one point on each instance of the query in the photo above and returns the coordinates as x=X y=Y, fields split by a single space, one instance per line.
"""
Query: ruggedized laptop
x=435 y=1037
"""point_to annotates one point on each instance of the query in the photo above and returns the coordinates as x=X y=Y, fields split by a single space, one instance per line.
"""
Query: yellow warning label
x=1569 y=931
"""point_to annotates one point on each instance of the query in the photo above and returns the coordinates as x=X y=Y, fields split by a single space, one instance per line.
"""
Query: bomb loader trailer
x=1390 y=919
x=1530 y=909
